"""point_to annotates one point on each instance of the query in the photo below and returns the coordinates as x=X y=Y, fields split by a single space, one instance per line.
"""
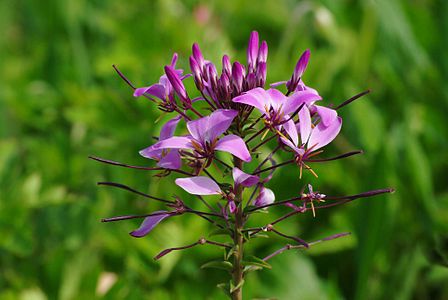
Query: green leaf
x=260 y=235
x=225 y=287
x=234 y=288
x=255 y=261
x=228 y=254
x=218 y=264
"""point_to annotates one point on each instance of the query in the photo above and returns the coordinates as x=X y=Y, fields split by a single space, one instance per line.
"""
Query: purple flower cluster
x=236 y=115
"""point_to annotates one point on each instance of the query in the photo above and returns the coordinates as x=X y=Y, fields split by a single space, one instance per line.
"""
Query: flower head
x=204 y=137
x=169 y=159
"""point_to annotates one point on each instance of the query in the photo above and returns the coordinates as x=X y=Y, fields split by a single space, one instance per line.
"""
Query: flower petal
x=175 y=142
x=304 y=124
x=291 y=130
x=151 y=153
x=256 y=97
x=327 y=115
x=168 y=129
x=266 y=196
x=234 y=145
x=198 y=128
x=276 y=99
x=244 y=179
x=322 y=135
x=156 y=90
x=232 y=207
x=296 y=149
x=199 y=185
x=171 y=160
x=295 y=100
x=219 y=121
x=149 y=223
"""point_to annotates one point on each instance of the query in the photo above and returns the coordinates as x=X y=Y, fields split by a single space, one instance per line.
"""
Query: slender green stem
x=237 y=274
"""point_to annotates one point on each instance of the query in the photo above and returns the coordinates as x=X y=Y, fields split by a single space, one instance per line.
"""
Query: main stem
x=238 y=240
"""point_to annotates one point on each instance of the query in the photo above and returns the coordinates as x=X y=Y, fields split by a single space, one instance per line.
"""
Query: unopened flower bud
x=261 y=74
x=197 y=54
x=226 y=66
x=178 y=85
x=263 y=53
x=252 y=50
x=195 y=69
x=237 y=76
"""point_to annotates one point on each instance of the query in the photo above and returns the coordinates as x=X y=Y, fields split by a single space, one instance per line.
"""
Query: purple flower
x=241 y=178
x=150 y=222
x=300 y=68
x=199 y=185
x=314 y=136
x=162 y=90
x=203 y=138
x=265 y=197
x=252 y=51
x=202 y=185
x=177 y=84
x=276 y=107
x=169 y=159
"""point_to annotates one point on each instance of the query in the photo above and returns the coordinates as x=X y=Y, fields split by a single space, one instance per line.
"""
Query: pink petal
x=304 y=124
x=266 y=196
x=199 y=185
x=232 y=207
x=168 y=129
x=291 y=130
x=276 y=99
x=156 y=90
x=171 y=160
x=244 y=179
x=151 y=153
x=296 y=149
x=149 y=223
x=175 y=142
x=219 y=121
x=327 y=115
x=295 y=100
x=256 y=97
x=198 y=128
x=322 y=135
x=234 y=145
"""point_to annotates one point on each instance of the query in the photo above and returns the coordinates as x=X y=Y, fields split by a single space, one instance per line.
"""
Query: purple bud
x=292 y=83
x=232 y=207
x=265 y=197
x=224 y=86
x=301 y=64
x=177 y=84
x=212 y=74
x=251 y=81
x=263 y=52
x=238 y=76
x=226 y=66
x=261 y=74
x=197 y=54
x=252 y=50
x=195 y=69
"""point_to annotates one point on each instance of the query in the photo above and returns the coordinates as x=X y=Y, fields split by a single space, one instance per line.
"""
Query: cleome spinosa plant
x=234 y=116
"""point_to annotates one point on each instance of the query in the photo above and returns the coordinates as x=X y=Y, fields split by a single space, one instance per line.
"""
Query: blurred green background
x=61 y=101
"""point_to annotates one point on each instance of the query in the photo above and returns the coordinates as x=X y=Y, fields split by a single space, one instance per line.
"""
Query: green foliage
x=61 y=101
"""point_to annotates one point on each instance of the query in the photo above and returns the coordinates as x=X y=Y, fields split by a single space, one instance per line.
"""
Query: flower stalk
x=238 y=240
